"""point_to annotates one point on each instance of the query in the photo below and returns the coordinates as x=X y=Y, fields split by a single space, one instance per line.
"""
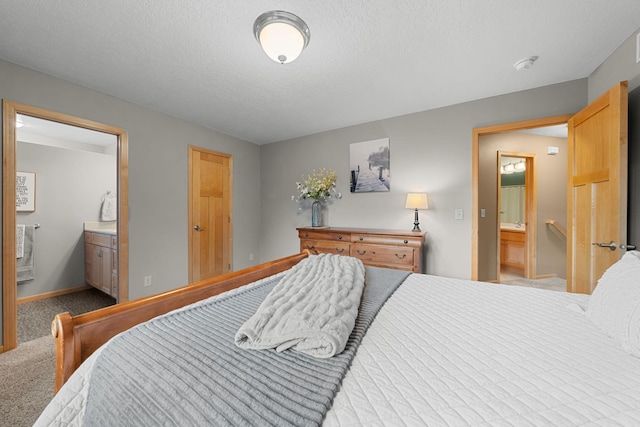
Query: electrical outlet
x=147 y=281
x=459 y=213
x=483 y=213
x=250 y=257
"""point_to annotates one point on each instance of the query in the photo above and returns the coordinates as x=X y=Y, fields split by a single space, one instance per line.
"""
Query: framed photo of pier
x=25 y=191
x=369 y=163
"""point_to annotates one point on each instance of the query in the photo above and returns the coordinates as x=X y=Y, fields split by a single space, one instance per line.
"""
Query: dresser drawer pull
x=313 y=248
x=361 y=252
x=401 y=257
x=306 y=234
x=406 y=241
x=339 y=250
x=340 y=237
x=361 y=238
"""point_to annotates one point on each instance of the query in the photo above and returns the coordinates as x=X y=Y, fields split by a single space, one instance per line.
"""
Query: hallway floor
x=550 y=283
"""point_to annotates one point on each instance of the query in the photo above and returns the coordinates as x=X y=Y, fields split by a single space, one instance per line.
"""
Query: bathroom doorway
x=517 y=216
x=11 y=113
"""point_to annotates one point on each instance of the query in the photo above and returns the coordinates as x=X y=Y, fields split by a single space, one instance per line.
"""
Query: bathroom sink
x=510 y=226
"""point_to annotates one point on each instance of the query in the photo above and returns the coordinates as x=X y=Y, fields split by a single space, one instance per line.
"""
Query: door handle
x=197 y=228
x=612 y=245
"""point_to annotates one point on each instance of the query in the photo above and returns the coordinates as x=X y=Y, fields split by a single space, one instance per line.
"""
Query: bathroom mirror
x=512 y=192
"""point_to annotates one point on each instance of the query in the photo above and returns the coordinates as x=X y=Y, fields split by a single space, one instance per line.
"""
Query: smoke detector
x=525 y=64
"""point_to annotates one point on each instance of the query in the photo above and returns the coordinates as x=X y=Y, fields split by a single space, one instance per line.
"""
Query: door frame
x=9 y=147
x=530 y=215
x=475 y=153
x=191 y=225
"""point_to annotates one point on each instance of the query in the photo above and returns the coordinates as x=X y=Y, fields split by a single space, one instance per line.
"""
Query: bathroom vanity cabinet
x=512 y=250
x=101 y=258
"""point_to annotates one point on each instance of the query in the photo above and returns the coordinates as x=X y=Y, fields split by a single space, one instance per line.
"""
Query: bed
x=440 y=351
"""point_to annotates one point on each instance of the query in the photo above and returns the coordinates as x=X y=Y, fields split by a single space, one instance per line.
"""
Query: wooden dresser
x=401 y=250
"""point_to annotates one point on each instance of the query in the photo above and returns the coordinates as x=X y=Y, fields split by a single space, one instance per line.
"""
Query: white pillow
x=614 y=305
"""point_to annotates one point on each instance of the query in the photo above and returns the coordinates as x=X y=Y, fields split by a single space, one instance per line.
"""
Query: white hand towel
x=109 y=205
x=19 y=240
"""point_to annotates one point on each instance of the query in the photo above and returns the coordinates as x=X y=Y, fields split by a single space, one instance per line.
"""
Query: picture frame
x=370 y=166
x=25 y=191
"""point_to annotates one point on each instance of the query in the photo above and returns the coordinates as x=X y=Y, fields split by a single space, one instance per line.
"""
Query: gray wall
x=69 y=189
x=157 y=175
x=430 y=152
x=551 y=180
x=620 y=65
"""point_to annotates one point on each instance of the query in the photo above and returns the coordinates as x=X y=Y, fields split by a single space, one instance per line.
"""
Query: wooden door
x=209 y=214
x=597 y=188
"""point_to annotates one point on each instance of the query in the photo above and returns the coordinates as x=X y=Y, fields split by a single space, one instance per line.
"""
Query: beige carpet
x=551 y=283
x=27 y=374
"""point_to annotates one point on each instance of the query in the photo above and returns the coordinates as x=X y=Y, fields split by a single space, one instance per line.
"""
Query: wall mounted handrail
x=560 y=229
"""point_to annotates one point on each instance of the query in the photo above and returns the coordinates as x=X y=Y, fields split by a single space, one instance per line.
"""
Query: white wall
x=69 y=189
x=430 y=151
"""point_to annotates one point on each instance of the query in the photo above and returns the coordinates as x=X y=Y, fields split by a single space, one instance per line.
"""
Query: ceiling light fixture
x=282 y=35
x=525 y=64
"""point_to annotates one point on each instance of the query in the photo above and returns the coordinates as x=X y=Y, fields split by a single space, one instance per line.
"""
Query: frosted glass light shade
x=417 y=201
x=282 y=35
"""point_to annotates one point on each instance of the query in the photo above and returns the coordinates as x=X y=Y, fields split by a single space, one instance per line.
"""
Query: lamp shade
x=282 y=35
x=417 y=201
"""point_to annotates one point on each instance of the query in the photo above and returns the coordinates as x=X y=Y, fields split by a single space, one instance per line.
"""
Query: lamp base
x=416 y=224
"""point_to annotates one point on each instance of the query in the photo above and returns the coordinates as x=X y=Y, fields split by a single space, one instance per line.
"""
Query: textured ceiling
x=367 y=60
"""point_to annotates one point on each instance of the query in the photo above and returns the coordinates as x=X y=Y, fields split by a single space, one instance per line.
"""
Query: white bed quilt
x=446 y=352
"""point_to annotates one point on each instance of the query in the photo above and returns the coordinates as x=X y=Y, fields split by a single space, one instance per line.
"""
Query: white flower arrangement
x=320 y=185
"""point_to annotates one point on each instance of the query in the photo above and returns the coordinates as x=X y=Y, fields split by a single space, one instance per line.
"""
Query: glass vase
x=315 y=214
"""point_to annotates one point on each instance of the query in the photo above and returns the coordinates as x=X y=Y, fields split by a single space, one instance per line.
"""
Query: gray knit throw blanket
x=183 y=368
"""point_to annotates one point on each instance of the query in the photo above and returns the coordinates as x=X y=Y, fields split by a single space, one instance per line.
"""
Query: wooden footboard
x=77 y=337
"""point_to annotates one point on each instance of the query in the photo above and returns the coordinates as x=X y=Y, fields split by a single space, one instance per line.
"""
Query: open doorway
x=541 y=251
x=14 y=115
x=517 y=212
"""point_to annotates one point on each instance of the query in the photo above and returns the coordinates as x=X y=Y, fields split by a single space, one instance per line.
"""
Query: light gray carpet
x=34 y=318
x=27 y=375
x=27 y=372
x=551 y=283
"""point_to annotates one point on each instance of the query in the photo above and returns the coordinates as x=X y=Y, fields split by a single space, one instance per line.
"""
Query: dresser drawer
x=380 y=239
x=325 y=247
x=321 y=235
x=383 y=256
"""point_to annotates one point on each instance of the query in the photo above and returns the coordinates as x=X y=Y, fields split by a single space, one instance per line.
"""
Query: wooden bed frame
x=77 y=337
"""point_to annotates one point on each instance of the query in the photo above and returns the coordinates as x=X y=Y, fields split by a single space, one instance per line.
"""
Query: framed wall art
x=25 y=191
x=370 y=167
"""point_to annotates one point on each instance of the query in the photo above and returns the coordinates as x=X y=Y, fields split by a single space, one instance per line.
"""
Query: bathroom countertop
x=507 y=226
x=107 y=227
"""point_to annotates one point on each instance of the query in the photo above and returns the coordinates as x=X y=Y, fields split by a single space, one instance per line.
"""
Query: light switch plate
x=459 y=213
